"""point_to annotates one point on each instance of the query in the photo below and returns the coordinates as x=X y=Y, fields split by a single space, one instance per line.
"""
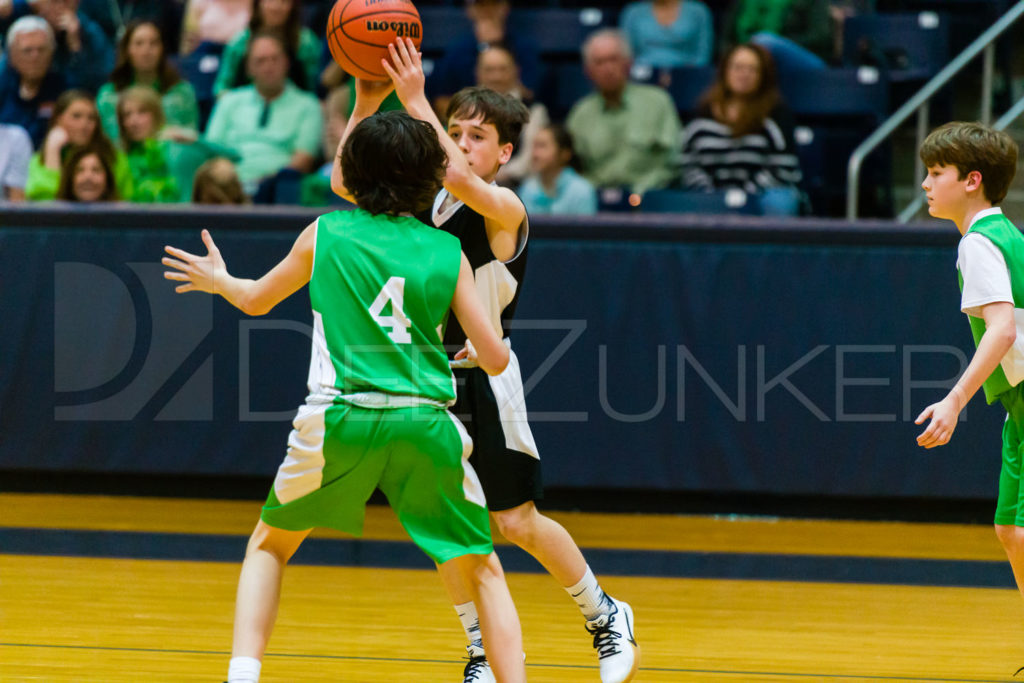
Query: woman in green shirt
x=75 y=124
x=284 y=16
x=142 y=60
x=140 y=119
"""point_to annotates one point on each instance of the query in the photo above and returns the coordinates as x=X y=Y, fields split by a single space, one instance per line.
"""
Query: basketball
x=359 y=32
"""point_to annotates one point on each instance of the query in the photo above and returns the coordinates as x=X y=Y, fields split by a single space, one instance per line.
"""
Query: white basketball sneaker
x=477 y=669
x=617 y=651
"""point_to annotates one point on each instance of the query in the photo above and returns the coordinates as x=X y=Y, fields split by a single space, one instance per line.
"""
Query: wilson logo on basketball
x=401 y=29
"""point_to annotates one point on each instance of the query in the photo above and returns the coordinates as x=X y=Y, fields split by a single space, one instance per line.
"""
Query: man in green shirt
x=271 y=124
x=380 y=285
x=626 y=134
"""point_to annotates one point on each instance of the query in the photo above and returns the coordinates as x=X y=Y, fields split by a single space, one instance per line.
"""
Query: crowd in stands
x=237 y=101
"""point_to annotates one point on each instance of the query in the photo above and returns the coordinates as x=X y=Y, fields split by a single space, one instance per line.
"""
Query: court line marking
x=411 y=660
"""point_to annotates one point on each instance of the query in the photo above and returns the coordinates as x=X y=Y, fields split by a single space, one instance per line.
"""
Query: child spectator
x=669 y=33
x=216 y=182
x=86 y=176
x=75 y=124
x=140 y=119
x=555 y=186
x=142 y=60
x=742 y=135
x=303 y=46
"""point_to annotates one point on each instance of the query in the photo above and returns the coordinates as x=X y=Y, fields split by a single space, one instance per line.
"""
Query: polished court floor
x=119 y=589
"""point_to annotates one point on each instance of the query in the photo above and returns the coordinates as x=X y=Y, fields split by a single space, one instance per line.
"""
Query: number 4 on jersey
x=397 y=322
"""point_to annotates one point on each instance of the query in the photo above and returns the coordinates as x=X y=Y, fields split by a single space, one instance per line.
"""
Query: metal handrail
x=920 y=98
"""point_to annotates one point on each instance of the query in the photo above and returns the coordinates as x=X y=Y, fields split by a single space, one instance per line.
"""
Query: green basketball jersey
x=1009 y=240
x=381 y=289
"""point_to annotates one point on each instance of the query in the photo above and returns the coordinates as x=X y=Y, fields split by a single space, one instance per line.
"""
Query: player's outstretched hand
x=197 y=272
x=405 y=70
x=943 y=416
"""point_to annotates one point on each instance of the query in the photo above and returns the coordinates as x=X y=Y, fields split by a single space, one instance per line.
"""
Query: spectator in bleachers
x=86 y=176
x=75 y=124
x=798 y=33
x=84 y=54
x=213 y=21
x=554 y=186
x=669 y=33
x=217 y=182
x=496 y=69
x=626 y=134
x=140 y=118
x=742 y=136
x=142 y=61
x=29 y=85
x=271 y=124
x=490 y=25
x=15 y=152
x=302 y=44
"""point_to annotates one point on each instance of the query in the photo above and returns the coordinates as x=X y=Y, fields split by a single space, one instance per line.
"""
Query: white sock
x=244 y=670
x=471 y=624
x=589 y=596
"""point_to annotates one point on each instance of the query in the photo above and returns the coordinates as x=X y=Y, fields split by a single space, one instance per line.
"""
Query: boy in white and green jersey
x=381 y=284
x=970 y=167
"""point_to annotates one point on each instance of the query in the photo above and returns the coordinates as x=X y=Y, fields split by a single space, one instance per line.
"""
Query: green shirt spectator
x=307 y=55
x=43 y=181
x=266 y=134
x=625 y=134
x=142 y=60
x=632 y=143
x=179 y=103
x=154 y=182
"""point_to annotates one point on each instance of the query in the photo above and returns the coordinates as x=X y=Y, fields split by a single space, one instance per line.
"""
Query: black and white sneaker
x=617 y=650
x=477 y=669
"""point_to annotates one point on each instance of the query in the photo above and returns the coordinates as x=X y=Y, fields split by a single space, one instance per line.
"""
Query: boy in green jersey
x=380 y=284
x=492 y=226
x=970 y=167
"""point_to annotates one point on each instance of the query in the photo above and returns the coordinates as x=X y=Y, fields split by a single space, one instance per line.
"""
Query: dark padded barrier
x=677 y=353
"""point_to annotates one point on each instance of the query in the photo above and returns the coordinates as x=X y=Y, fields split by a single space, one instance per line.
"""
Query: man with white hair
x=626 y=134
x=82 y=51
x=29 y=85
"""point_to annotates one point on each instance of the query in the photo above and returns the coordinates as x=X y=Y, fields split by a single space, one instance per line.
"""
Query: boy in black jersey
x=491 y=223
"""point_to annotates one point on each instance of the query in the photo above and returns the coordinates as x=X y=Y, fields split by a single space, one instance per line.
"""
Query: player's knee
x=515 y=525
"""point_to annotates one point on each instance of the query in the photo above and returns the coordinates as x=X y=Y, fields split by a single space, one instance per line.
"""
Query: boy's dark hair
x=974 y=147
x=393 y=163
x=505 y=112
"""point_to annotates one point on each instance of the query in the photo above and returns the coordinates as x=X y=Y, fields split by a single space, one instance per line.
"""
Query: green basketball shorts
x=1010 y=506
x=339 y=453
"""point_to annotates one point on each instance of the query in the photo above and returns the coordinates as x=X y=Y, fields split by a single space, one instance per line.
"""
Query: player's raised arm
x=491 y=353
x=499 y=205
x=254 y=297
x=369 y=96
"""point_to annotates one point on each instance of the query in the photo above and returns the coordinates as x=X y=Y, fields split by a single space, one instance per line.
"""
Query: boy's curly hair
x=974 y=147
x=393 y=163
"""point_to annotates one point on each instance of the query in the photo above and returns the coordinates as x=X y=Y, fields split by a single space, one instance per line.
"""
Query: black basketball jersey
x=498 y=284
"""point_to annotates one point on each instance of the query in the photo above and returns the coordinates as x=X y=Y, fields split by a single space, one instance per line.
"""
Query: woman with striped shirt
x=742 y=135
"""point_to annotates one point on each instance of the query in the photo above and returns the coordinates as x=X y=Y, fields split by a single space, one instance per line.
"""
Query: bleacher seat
x=559 y=33
x=688 y=201
x=913 y=46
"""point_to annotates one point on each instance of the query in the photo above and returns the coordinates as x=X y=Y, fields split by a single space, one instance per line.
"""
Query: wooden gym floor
x=118 y=589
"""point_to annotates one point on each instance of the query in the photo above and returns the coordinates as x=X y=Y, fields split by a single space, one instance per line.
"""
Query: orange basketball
x=359 y=31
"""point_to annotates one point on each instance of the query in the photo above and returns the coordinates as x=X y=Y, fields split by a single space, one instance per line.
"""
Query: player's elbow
x=495 y=361
x=254 y=306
